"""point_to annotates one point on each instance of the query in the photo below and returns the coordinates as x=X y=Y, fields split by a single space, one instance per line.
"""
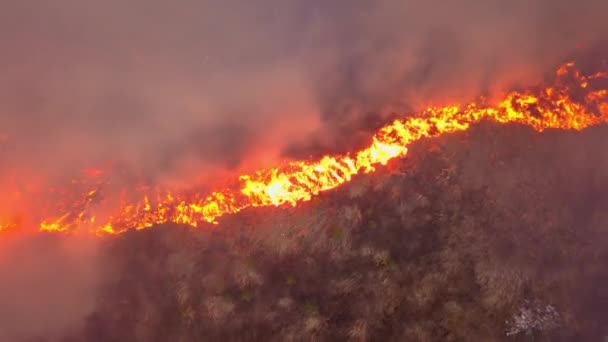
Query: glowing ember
x=551 y=107
x=5 y=226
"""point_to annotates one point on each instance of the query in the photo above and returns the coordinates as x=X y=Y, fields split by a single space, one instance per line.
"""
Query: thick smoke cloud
x=199 y=86
x=49 y=283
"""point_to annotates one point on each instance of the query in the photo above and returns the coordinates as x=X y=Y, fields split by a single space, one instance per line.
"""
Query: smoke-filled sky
x=193 y=86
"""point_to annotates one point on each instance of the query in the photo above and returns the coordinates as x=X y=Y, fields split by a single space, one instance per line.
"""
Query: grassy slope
x=445 y=245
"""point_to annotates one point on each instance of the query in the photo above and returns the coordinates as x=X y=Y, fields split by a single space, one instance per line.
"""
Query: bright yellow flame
x=551 y=107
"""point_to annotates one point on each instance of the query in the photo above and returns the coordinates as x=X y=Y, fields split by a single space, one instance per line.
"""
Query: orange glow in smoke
x=551 y=107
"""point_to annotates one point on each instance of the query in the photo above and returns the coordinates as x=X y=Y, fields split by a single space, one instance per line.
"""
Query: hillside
x=495 y=234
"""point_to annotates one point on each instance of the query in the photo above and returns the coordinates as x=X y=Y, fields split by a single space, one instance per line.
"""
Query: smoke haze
x=49 y=284
x=199 y=86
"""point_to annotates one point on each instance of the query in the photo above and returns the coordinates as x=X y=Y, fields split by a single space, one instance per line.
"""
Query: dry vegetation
x=497 y=234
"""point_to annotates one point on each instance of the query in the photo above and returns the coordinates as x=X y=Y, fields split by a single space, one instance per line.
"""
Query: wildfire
x=554 y=107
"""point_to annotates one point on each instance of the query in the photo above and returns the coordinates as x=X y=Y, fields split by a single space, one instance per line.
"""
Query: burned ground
x=495 y=234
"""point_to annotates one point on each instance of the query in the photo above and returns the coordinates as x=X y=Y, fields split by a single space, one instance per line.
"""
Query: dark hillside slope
x=499 y=233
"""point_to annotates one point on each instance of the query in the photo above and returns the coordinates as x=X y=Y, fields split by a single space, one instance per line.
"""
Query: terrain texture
x=495 y=234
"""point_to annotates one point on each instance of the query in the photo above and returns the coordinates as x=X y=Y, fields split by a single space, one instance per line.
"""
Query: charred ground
x=498 y=233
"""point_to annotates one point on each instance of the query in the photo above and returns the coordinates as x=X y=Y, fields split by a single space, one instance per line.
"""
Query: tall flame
x=551 y=107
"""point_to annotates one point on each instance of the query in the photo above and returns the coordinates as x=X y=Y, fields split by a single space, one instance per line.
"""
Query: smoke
x=204 y=86
x=49 y=284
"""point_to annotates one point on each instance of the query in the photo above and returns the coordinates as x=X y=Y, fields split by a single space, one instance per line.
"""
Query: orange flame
x=552 y=107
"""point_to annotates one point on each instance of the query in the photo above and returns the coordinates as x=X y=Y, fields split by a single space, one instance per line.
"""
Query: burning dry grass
x=516 y=218
x=572 y=101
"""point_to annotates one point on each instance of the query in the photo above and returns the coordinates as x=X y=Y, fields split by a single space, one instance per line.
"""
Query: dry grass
x=446 y=250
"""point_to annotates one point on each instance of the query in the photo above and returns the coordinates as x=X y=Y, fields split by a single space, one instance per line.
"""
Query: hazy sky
x=193 y=86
